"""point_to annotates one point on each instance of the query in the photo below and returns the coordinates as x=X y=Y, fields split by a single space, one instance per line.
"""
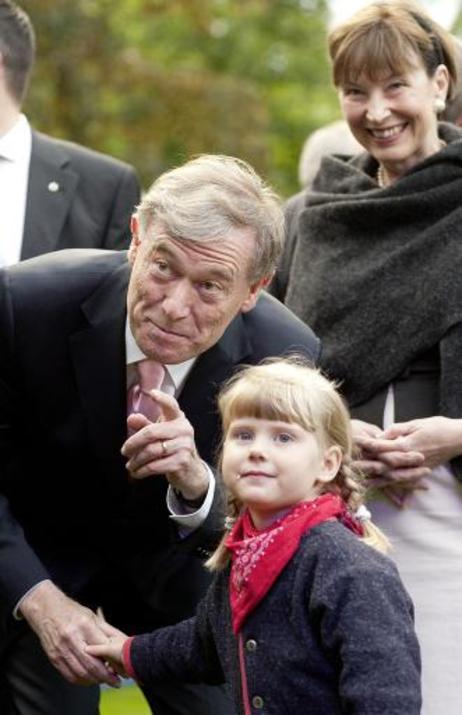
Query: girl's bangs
x=272 y=400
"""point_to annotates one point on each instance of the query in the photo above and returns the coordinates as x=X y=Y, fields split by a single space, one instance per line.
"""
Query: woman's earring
x=439 y=105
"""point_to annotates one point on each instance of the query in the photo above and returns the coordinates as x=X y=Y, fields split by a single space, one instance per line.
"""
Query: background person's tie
x=150 y=377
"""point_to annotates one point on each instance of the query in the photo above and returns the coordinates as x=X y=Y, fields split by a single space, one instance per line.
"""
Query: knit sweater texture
x=376 y=272
x=333 y=636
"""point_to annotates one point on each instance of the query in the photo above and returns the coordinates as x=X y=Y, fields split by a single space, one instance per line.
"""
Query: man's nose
x=178 y=300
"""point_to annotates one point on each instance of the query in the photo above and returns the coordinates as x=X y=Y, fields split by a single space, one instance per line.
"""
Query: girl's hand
x=111 y=653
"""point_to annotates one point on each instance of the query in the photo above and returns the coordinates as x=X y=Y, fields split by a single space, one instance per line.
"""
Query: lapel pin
x=53 y=186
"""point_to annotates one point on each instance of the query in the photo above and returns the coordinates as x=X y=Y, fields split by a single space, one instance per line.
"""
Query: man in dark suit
x=88 y=517
x=53 y=194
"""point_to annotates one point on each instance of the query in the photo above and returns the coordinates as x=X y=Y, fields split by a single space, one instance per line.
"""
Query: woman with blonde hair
x=303 y=615
x=373 y=262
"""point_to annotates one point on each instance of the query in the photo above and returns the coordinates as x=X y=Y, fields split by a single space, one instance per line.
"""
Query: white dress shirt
x=15 y=151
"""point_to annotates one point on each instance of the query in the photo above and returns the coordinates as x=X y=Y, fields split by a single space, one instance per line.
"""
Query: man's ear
x=331 y=462
x=254 y=291
x=135 y=242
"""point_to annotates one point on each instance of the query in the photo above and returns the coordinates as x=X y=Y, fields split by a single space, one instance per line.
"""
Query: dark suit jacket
x=76 y=198
x=67 y=509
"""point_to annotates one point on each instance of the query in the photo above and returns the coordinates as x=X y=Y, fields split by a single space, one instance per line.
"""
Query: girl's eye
x=240 y=435
x=284 y=437
x=243 y=435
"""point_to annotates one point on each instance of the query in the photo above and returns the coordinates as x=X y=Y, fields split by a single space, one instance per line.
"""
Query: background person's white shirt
x=15 y=152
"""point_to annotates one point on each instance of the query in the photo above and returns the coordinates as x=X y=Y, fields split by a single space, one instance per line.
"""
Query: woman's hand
x=437 y=439
x=396 y=469
x=407 y=451
x=383 y=458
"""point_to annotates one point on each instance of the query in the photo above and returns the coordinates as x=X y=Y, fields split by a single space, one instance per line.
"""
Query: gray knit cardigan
x=333 y=636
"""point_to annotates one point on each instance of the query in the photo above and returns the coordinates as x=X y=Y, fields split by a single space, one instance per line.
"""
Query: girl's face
x=394 y=117
x=270 y=466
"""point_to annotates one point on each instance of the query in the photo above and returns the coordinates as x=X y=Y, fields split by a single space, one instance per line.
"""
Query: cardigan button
x=251 y=645
x=257 y=702
x=203 y=553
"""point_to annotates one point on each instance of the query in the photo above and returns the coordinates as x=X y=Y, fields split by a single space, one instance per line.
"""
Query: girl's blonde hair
x=386 y=37
x=291 y=390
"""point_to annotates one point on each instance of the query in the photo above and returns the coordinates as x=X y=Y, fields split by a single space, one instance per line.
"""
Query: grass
x=128 y=700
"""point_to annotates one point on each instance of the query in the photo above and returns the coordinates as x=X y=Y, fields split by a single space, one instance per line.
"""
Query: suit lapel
x=51 y=187
x=98 y=355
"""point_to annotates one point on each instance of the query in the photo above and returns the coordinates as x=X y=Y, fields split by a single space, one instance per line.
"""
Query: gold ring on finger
x=164 y=447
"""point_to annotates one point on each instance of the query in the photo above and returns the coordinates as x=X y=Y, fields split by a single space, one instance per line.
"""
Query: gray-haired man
x=80 y=526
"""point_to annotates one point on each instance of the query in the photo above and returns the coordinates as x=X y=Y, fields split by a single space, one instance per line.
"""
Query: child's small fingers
x=99 y=651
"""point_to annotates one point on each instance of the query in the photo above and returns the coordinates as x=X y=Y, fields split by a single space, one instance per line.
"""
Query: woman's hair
x=291 y=390
x=386 y=37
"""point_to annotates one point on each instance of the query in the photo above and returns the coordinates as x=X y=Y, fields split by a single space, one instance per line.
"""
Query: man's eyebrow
x=223 y=274
x=164 y=246
x=162 y=243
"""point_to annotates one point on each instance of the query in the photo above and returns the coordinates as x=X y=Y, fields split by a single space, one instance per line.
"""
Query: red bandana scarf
x=259 y=556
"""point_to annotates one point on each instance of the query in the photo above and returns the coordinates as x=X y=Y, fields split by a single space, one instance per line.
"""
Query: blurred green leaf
x=128 y=700
x=156 y=81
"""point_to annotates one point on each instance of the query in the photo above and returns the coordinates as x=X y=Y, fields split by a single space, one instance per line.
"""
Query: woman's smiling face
x=393 y=116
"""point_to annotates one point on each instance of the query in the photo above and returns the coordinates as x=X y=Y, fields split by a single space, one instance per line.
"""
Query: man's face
x=183 y=294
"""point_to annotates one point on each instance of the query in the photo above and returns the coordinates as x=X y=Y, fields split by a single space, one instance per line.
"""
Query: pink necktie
x=150 y=377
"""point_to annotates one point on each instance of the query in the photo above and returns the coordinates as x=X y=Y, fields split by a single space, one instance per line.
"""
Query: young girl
x=303 y=615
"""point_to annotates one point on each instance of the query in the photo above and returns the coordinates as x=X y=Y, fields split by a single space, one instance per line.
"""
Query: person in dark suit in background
x=54 y=194
x=81 y=527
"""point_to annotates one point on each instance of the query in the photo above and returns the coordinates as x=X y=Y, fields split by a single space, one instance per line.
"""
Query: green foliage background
x=128 y=700
x=156 y=81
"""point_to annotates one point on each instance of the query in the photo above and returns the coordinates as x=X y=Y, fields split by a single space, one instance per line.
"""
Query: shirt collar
x=15 y=144
x=177 y=372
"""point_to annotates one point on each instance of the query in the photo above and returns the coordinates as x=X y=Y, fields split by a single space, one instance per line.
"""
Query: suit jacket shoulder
x=274 y=330
x=62 y=151
x=76 y=198
x=69 y=276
